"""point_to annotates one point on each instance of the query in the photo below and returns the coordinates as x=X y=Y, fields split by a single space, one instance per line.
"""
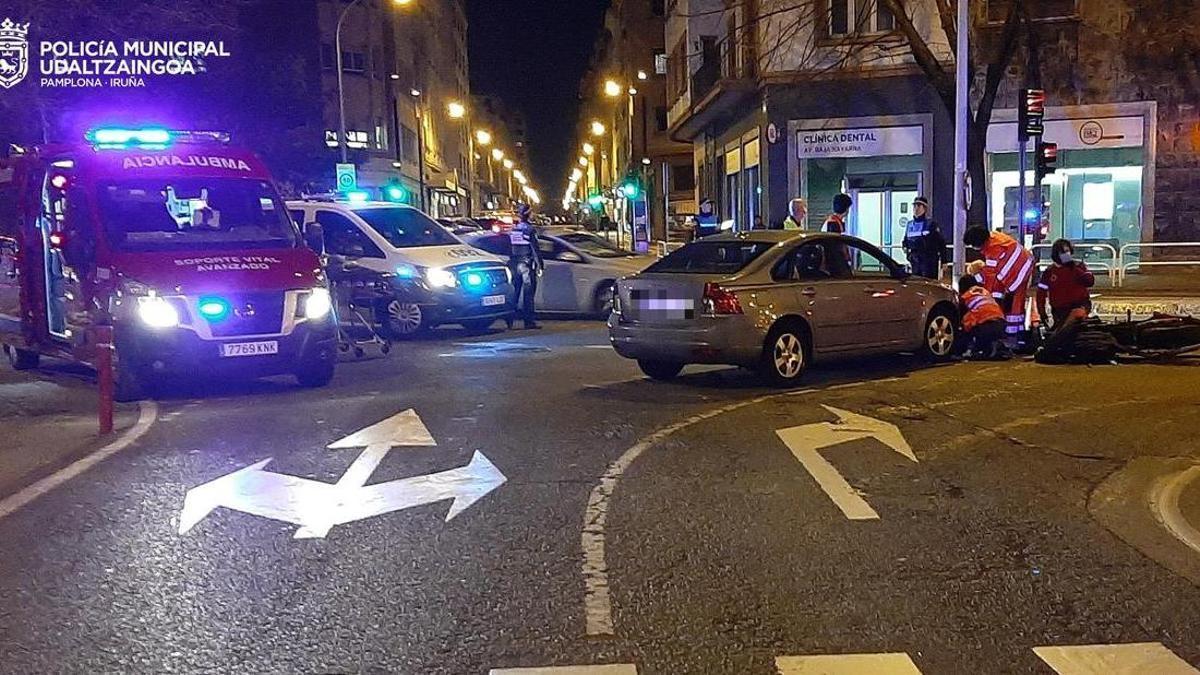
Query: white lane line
x=147 y=414
x=1164 y=501
x=617 y=669
x=847 y=664
x=841 y=492
x=1151 y=658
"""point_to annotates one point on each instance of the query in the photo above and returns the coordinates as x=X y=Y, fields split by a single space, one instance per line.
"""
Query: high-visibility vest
x=979 y=307
x=1007 y=265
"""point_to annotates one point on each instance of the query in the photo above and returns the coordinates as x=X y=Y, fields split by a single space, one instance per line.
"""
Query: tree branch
x=926 y=60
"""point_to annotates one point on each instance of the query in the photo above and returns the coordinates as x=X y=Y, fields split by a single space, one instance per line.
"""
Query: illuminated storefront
x=1103 y=190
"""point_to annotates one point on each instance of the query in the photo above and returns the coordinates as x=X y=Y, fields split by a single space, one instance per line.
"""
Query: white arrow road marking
x=806 y=442
x=619 y=669
x=1140 y=657
x=404 y=429
x=317 y=507
x=847 y=664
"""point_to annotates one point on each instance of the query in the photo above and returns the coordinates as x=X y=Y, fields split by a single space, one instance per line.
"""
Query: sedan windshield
x=711 y=257
x=195 y=213
x=594 y=246
x=407 y=228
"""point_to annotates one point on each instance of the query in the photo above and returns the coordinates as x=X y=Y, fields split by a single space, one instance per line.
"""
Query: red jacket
x=979 y=307
x=1007 y=265
x=1067 y=286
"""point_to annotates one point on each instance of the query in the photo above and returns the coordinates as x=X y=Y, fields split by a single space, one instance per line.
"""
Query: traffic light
x=630 y=189
x=1032 y=114
x=1047 y=159
x=394 y=192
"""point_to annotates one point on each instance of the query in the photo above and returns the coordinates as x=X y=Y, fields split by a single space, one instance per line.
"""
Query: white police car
x=429 y=276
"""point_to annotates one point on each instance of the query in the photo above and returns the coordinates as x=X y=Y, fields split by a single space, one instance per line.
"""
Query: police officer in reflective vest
x=525 y=261
x=923 y=242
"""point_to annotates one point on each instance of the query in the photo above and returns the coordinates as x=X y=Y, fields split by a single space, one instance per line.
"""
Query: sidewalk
x=1169 y=290
x=49 y=420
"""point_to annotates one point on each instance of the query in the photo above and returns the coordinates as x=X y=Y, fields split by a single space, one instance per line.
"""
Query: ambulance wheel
x=22 y=359
x=940 y=336
x=317 y=373
x=403 y=320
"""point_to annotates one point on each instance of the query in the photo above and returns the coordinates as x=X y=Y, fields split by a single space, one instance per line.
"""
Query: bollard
x=106 y=376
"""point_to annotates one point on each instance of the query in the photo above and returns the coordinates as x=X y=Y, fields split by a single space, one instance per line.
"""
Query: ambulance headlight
x=156 y=312
x=440 y=278
x=318 y=304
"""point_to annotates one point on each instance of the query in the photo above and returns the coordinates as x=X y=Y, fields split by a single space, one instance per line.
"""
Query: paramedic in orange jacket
x=982 y=320
x=1005 y=271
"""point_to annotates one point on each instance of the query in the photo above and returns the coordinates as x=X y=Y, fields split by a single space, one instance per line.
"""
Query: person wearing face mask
x=1066 y=285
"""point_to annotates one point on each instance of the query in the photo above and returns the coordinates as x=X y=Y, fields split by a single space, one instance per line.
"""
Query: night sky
x=532 y=54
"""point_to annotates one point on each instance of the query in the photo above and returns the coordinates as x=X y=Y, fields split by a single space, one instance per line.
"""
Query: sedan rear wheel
x=660 y=370
x=786 y=356
x=404 y=319
x=940 y=334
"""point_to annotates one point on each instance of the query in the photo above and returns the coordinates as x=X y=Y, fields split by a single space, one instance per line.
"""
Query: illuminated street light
x=632 y=91
x=508 y=164
x=483 y=137
x=456 y=110
x=612 y=88
x=583 y=161
x=576 y=174
x=589 y=149
x=642 y=75
x=497 y=154
x=598 y=128
x=414 y=92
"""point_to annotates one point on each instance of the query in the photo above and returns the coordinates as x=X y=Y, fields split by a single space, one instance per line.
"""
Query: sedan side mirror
x=314 y=237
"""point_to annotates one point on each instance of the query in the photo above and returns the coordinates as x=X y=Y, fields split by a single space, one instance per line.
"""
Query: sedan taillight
x=721 y=301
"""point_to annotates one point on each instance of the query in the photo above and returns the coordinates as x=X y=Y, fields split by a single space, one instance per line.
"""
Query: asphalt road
x=718 y=551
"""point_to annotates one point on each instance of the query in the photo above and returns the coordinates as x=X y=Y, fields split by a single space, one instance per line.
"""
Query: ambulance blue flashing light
x=214 y=309
x=110 y=138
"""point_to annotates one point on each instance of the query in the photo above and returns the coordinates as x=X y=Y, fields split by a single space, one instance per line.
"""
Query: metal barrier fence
x=662 y=248
x=1127 y=264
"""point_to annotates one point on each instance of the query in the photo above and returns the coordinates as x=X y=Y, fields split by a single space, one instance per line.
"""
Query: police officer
x=707 y=222
x=923 y=242
x=525 y=261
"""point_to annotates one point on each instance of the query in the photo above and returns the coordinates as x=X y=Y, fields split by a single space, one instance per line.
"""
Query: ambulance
x=177 y=242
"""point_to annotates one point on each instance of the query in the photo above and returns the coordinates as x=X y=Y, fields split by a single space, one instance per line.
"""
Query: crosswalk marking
x=847 y=664
x=1141 y=657
x=615 y=669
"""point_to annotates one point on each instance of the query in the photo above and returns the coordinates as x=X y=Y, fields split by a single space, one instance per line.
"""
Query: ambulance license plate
x=249 y=348
x=493 y=300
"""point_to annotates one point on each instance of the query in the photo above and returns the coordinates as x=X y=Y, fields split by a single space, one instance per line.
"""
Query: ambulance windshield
x=195 y=213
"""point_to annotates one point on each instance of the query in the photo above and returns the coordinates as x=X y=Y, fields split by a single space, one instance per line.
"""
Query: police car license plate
x=493 y=300
x=249 y=348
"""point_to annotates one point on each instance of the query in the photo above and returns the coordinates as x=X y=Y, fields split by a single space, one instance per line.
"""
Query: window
x=381 y=134
x=711 y=257
x=660 y=118
x=660 y=62
x=1044 y=10
x=499 y=245
x=677 y=72
x=342 y=237
x=848 y=17
x=357 y=139
x=354 y=62
x=683 y=177
x=406 y=228
x=864 y=263
x=805 y=263
x=408 y=144
x=328 y=57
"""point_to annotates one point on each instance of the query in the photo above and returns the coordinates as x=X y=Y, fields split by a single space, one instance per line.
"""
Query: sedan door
x=556 y=289
x=884 y=296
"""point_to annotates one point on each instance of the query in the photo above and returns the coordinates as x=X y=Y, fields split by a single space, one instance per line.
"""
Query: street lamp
x=583 y=161
x=589 y=149
x=456 y=110
x=641 y=74
x=508 y=164
x=497 y=154
x=483 y=137
x=598 y=128
x=337 y=39
x=612 y=88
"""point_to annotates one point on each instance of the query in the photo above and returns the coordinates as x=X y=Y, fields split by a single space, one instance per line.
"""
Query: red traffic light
x=1035 y=101
x=1049 y=153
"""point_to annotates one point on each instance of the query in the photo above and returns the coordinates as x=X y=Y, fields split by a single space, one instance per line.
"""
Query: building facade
x=782 y=99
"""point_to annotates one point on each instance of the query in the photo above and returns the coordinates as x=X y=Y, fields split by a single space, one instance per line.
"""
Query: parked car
x=435 y=278
x=460 y=226
x=581 y=269
x=776 y=301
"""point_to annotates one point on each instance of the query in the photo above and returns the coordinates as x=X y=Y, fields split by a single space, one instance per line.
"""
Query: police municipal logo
x=14 y=53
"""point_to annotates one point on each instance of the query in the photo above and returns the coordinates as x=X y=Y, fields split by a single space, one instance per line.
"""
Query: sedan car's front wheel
x=941 y=332
x=786 y=355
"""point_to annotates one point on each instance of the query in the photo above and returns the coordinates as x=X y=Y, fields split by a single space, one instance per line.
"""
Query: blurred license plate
x=250 y=348
x=660 y=304
x=493 y=300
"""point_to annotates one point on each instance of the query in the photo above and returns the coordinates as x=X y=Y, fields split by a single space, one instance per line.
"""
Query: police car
x=430 y=276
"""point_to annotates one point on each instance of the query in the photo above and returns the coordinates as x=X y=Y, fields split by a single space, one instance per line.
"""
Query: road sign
x=806 y=442
x=317 y=507
x=347 y=177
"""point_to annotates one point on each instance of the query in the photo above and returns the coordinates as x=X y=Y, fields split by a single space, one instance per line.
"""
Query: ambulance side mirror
x=314 y=237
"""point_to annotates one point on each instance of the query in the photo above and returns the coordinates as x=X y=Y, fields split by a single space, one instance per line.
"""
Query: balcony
x=719 y=91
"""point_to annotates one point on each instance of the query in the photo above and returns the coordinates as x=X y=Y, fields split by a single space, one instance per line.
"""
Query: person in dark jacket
x=839 y=254
x=923 y=242
x=526 y=265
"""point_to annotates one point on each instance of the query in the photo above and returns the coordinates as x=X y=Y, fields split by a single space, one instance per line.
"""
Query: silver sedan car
x=776 y=301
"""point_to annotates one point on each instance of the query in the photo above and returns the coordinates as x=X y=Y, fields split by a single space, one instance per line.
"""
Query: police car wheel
x=478 y=325
x=403 y=319
x=603 y=302
x=941 y=332
x=22 y=359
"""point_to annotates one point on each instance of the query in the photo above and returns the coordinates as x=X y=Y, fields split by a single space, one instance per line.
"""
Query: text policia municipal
x=130 y=57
